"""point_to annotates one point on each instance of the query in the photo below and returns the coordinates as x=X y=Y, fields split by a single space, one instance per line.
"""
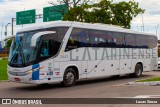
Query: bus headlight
x=29 y=72
x=33 y=70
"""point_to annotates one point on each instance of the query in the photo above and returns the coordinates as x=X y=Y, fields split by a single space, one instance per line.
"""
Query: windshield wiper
x=22 y=55
x=16 y=53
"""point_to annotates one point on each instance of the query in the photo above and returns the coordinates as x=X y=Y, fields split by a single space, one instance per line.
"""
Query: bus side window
x=78 y=38
x=111 y=41
x=130 y=40
x=73 y=41
x=49 y=45
x=44 y=48
x=139 y=39
x=118 y=39
x=97 y=38
x=84 y=38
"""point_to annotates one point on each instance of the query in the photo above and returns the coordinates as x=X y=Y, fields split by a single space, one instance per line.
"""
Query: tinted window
x=152 y=41
x=141 y=41
x=50 y=45
x=78 y=38
x=130 y=41
x=110 y=39
x=60 y=31
x=115 y=39
x=97 y=38
x=45 y=48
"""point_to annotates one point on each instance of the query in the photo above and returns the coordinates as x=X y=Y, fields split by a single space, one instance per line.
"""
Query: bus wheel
x=69 y=78
x=138 y=71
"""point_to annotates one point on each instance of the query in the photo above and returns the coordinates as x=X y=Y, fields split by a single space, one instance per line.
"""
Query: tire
x=137 y=71
x=70 y=77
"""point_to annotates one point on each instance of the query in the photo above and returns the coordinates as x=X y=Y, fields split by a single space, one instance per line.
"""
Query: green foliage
x=150 y=79
x=78 y=13
x=158 y=52
x=106 y=11
x=8 y=43
x=3 y=69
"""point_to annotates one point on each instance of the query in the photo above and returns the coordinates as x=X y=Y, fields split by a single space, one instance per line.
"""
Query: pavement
x=98 y=88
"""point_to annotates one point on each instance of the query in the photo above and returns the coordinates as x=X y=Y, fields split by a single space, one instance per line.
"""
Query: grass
x=150 y=79
x=3 y=69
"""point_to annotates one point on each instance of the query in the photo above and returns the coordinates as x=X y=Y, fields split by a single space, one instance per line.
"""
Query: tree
x=124 y=12
x=8 y=43
x=105 y=11
x=78 y=13
x=72 y=3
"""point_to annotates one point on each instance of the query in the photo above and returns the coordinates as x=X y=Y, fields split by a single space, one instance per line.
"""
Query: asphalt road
x=99 y=88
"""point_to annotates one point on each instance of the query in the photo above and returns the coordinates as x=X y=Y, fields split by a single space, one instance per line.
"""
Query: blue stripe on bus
x=35 y=74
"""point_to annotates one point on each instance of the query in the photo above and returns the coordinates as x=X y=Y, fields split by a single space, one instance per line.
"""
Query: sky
x=8 y=9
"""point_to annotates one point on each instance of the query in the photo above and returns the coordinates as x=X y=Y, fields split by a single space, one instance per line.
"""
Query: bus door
x=49 y=48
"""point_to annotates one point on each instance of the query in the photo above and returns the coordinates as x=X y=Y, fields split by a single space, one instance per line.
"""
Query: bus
x=64 y=51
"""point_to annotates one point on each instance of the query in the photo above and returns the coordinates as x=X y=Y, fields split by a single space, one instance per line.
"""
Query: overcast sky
x=8 y=9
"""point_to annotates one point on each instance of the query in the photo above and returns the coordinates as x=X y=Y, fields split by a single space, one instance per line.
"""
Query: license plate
x=17 y=79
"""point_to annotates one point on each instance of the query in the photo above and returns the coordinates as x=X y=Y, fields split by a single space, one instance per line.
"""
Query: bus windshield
x=21 y=52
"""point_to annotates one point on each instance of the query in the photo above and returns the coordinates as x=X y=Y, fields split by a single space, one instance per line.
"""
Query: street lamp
x=2 y=31
x=6 y=28
x=142 y=22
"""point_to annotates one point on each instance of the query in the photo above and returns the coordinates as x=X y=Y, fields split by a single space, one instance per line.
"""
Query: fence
x=4 y=53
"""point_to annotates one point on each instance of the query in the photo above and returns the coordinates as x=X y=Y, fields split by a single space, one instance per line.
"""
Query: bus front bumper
x=22 y=79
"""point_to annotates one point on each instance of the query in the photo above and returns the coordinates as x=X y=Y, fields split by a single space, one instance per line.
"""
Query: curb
x=4 y=81
x=155 y=83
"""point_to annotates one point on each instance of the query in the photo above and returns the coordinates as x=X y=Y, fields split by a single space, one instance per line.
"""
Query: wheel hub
x=70 y=78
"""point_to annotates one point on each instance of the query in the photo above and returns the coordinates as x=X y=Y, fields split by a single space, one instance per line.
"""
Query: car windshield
x=21 y=52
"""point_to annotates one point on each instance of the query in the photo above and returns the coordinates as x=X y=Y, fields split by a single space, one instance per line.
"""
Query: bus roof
x=97 y=26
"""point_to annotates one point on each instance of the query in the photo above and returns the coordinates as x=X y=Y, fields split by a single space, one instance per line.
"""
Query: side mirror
x=37 y=35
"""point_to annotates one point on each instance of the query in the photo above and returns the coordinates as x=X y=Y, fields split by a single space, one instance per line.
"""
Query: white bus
x=64 y=51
